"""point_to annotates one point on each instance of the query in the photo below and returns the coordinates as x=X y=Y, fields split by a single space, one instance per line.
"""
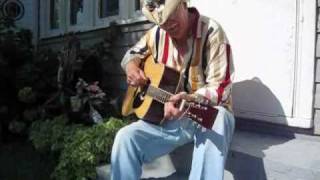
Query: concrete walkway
x=259 y=156
x=256 y=156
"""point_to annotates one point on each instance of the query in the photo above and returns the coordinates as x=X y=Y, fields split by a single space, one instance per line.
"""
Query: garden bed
x=19 y=160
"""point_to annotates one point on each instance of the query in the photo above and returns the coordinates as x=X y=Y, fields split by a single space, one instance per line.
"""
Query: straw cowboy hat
x=158 y=11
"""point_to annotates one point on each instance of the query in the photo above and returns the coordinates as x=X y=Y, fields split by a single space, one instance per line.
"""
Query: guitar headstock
x=202 y=113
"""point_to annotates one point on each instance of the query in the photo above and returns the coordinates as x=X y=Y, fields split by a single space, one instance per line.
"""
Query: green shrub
x=26 y=95
x=17 y=127
x=48 y=134
x=81 y=148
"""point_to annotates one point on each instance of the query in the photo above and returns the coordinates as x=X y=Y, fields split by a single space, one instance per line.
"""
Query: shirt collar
x=196 y=31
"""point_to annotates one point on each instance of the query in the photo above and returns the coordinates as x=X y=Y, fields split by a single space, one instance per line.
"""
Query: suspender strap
x=186 y=72
x=157 y=43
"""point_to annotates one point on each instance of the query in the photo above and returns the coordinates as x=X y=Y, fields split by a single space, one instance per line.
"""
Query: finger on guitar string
x=142 y=79
x=130 y=81
x=178 y=97
x=137 y=78
x=135 y=75
x=142 y=74
x=182 y=95
x=171 y=111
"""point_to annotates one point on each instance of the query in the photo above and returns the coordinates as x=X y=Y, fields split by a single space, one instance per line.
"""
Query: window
x=51 y=17
x=138 y=5
x=63 y=16
x=54 y=14
x=108 y=8
x=76 y=12
x=137 y=14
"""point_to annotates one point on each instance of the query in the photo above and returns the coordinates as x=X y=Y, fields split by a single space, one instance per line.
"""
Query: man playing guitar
x=197 y=48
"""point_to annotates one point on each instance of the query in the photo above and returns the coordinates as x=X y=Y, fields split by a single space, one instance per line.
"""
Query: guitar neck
x=198 y=112
x=161 y=95
x=158 y=94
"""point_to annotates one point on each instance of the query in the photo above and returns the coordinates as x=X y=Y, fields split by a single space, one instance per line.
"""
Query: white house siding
x=273 y=47
x=29 y=19
x=317 y=78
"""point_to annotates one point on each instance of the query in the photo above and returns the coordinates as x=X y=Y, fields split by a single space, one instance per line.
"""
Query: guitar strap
x=184 y=75
x=186 y=66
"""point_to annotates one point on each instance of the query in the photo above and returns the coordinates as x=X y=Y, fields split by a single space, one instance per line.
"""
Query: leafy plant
x=19 y=76
x=48 y=135
x=17 y=126
x=26 y=95
x=31 y=114
x=82 y=148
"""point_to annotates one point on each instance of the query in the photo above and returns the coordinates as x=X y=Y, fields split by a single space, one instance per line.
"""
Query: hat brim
x=161 y=14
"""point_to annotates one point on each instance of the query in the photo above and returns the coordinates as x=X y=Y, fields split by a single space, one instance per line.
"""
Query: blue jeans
x=142 y=142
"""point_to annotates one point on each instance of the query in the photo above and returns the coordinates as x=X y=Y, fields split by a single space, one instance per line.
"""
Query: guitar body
x=145 y=107
x=148 y=102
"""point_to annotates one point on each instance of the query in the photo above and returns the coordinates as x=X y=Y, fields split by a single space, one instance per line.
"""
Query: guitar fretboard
x=197 y=112
x=158 y=94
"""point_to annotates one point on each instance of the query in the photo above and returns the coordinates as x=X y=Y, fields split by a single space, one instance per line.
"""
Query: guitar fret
x=158 y=94
x=167 y=97
x=161 y=95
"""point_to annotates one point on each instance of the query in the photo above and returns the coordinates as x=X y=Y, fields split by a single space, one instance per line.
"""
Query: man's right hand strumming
x=135 y=75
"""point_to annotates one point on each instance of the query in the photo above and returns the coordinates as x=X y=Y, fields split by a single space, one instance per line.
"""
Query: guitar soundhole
x=139 y=95
x=137 y=100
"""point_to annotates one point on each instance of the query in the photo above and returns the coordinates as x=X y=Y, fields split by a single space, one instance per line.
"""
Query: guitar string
x=162 y=96
x=153 y=91
x=158 y=94
x=184 y=113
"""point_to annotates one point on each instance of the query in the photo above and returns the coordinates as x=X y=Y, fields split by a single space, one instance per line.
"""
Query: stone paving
x=256 y=156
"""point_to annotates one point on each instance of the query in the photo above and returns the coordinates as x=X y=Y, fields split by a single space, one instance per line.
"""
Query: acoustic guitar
x=147 y=102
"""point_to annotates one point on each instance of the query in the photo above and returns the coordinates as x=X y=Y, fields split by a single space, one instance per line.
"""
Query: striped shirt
x=211 y=67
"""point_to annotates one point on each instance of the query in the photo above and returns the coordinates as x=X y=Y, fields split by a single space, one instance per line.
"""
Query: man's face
x=177 y=23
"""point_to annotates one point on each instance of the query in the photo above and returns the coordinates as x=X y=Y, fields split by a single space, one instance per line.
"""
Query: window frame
x=46 y=30
x=105 y=21
x=87 y=10
x=127 y=15
x=132 y=15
